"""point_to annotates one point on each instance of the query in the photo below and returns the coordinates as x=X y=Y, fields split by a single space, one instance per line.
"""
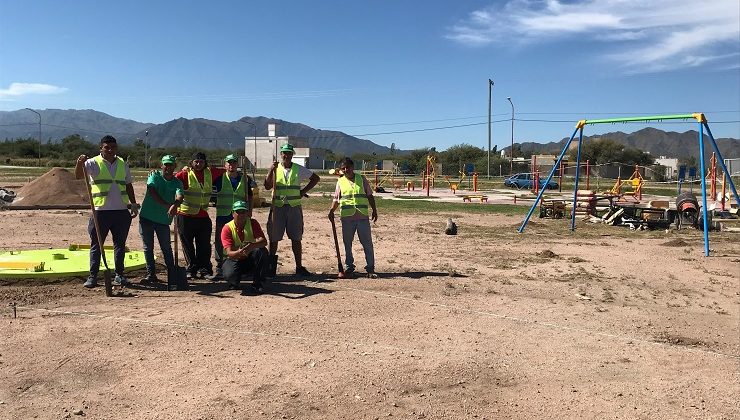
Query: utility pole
x=39 y=115
x=511 y=168
x=254 y=162
x=490 y=88
x=146 y=149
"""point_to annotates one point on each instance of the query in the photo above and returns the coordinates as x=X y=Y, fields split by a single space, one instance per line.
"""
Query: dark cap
x=199 y=156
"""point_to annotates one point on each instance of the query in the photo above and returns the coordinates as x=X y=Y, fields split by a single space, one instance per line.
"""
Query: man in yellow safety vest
x=230 y=187
x=244 y=246
x=286 y=214
x=354 y=197
x=193 y=222
x=115 y=205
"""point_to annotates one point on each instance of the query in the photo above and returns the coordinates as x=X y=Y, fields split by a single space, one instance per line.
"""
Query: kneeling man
x=245 y=248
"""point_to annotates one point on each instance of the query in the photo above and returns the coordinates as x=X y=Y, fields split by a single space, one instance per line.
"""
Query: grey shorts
x=287 y=219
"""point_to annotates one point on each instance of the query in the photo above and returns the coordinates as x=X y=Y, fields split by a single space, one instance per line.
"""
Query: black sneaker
x=253 y=289
x=149 y=279
x=301 y=271
x=190 y=275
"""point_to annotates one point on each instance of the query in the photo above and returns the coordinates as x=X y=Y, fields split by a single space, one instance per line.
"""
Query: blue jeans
x=147 y=229
x=362 y=227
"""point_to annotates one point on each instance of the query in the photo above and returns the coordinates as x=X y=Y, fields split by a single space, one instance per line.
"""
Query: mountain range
x=209 y=134
x=657 y=142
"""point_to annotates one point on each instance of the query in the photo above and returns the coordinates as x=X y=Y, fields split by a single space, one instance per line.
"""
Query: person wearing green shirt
x=164 y=193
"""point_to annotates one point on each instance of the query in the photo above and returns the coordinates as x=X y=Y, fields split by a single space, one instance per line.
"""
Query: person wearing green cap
x=230 y=186
x=286 y=213
x=164 y=193
x=244 y=245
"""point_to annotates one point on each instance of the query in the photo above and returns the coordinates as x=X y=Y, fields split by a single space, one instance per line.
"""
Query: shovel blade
x=177 y=279
x=108 y=283
x=272 y=264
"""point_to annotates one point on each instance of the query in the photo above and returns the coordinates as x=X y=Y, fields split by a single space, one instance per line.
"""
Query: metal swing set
x=703 y=125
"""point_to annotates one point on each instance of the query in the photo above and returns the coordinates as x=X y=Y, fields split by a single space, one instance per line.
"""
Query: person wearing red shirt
x=245 y=247
x=193 y=222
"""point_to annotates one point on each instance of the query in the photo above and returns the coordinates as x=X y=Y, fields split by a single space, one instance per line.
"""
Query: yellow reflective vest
x=101 y=185
x=353 y=196
x=196 y=196
x=227 y=195
x=248 y=234
x=287 y=191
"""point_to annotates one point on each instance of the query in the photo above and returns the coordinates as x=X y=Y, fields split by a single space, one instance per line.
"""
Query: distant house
x=544 y=163
x=671 y=165
x=262 y=151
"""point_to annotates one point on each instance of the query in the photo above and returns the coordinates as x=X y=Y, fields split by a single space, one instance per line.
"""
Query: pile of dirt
x=675 y=242
x=58 y=186
x=547 y=254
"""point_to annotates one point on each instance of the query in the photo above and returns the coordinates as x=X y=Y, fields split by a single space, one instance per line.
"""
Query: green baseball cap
x=231 y=157
x=169 y=159
x=288 y=148
x=239 y=205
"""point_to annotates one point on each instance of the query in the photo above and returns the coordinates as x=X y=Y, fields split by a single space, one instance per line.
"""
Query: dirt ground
x=489 y=324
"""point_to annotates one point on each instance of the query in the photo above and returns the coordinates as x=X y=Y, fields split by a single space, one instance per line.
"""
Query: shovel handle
x=106 y=275
x=340 y=267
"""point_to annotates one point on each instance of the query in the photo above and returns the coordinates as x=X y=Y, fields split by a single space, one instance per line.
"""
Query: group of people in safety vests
x=241 y=248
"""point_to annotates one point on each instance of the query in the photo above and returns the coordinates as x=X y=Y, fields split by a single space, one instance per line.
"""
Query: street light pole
x=146 y=149
x=490 y=87
x=254 y=162
x=35 y=112
x=511 y=167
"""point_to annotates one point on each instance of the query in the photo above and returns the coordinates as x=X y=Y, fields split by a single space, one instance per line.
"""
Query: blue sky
x=410 y=69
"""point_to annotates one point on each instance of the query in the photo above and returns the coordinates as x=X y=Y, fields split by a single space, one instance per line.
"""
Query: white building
x=671 y=165
x=263 y=151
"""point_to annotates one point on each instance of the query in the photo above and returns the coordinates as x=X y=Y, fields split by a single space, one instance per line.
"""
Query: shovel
x=340 y=267
x=177 y=279
x=272 y=262
x=106 y=274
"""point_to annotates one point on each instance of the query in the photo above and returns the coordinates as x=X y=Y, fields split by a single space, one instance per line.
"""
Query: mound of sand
x=675 y=242
x=58 y=186
x=547 y=254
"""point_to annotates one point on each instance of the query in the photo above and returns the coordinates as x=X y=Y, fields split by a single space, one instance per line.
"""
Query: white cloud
x=651 y=35
x=21 y=89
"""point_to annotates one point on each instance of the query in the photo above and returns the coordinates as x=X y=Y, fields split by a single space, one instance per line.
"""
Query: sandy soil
x=488 y=324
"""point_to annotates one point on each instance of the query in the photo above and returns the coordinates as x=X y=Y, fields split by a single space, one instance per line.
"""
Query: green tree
x=455 y=157
x=609 y=151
